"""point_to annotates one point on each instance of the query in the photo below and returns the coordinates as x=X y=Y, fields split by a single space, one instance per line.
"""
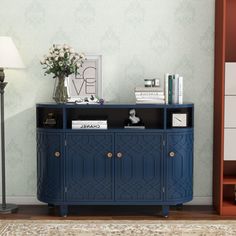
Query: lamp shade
x=9 y=55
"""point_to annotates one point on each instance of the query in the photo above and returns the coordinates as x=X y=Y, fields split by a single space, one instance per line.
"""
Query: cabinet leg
x=165 y=211
x=179 y=207
x=63 y=210
x=50 y=206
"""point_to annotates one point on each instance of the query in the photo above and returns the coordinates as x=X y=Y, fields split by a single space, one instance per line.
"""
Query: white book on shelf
x=152 y=97
x=181 y=90
x=166 y=87
x=89 y=126
x=149 y=93
x=175 y=88
x=78 y=122
x=150 y=101
x=148 y=89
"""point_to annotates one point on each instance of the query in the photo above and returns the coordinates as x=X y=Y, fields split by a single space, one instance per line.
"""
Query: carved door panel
x=138 y=166
x=89 y=167
x=179 y=177
x=50 y=167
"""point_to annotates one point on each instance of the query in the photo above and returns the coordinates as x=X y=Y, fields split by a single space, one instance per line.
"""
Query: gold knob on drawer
x=171 y=154
x=109 y=154
x=57 y=154
x=119 y=155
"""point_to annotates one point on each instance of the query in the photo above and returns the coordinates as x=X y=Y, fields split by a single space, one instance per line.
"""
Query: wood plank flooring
x=42 y=212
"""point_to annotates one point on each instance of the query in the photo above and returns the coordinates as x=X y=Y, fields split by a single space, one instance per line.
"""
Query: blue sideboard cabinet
x=117 y=166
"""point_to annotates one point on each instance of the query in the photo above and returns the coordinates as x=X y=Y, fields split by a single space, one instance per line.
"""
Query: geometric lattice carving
x=49 y=168
x=89 y=173
x=139 y=171
x=180 y=167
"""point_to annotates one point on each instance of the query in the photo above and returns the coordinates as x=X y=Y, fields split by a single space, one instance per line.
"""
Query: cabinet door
x=89 y=170
x=49 y=167
x=138 y=167
x=179 y=166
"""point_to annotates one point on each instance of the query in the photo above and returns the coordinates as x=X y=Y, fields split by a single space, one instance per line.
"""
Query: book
x=170 y=89
x=89 y=126
x=148 y=89
x=152 y=97
x=99 y=122
x=180 y=90
x=134 y=127
x=175 y=88
x=149 y=101
x=149 y=93
x=166 y=88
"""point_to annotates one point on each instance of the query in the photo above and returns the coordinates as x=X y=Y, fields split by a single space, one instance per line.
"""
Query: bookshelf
x=224 y=159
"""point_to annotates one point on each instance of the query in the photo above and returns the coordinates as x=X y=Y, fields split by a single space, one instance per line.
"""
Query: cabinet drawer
x=230 y=78
x=230 y=144
x=230 y=111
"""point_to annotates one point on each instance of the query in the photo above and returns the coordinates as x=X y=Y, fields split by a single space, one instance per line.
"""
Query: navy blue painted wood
x=145 y=174
x=89 y=172
x=138 y=172
x=50 y=172
x=179 y=168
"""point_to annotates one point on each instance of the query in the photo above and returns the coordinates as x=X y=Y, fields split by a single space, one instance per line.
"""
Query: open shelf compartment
x=116 y=118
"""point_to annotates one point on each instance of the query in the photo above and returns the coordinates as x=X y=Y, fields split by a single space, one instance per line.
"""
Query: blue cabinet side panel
x=89 y=172
x=179 y=177
x=138 y=174
x=49 y=168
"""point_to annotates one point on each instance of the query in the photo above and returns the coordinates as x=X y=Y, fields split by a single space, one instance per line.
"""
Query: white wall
x=137 y=38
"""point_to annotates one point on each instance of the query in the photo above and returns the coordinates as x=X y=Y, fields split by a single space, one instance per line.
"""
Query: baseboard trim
x=32 y=200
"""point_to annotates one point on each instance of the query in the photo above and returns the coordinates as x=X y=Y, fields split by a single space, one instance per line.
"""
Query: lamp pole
x=4 y=207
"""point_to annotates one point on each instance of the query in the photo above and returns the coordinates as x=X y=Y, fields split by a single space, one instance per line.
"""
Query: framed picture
x=88 y=83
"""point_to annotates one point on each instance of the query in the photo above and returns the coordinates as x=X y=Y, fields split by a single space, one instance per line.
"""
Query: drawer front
x=230 y=78
x=230 y=144
x=230 y=111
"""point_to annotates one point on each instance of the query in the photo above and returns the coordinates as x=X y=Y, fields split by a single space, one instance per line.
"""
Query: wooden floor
x=41 y=212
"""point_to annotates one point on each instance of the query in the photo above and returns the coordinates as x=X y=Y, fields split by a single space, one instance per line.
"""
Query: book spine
x=83 y=126
x=175 y=86
x=150 y=97
x=148 y=93
x=170 y=90
x=88 y=122
x=181 y=91
x=166 y=88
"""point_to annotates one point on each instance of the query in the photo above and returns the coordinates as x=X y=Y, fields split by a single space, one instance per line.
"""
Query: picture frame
x=88 y=83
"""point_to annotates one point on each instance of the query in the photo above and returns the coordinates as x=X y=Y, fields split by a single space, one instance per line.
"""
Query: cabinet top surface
x=114 y=105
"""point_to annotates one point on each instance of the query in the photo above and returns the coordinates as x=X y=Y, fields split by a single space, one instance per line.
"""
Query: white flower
x=56 y=58
x=61 y=54
x=66 y=46
x=78 y=64
x=72 y=50
x=60 y=63
x=82 y=56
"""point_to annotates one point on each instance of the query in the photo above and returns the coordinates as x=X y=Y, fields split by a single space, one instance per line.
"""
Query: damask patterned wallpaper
x=137 y=38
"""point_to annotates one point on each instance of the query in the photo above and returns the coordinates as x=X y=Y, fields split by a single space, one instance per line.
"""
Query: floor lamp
x=9 y=58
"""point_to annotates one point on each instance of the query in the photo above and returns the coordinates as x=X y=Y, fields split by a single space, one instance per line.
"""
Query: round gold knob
x=119 y=155
x=172 y=154
x=57 y=154
x=109 y=154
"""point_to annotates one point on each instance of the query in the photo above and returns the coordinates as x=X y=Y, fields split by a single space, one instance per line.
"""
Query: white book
x=150 y=97
x=149 y=93
x=100 y=122
x=89 y=126
x=166 y=87
x=148 y=89
x=151 y=102
x=175 y=88
x=181 y=90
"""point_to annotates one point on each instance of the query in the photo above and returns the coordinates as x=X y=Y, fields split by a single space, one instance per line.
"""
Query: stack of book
x=173 y=89
x=89 y=124
x=149 y=95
